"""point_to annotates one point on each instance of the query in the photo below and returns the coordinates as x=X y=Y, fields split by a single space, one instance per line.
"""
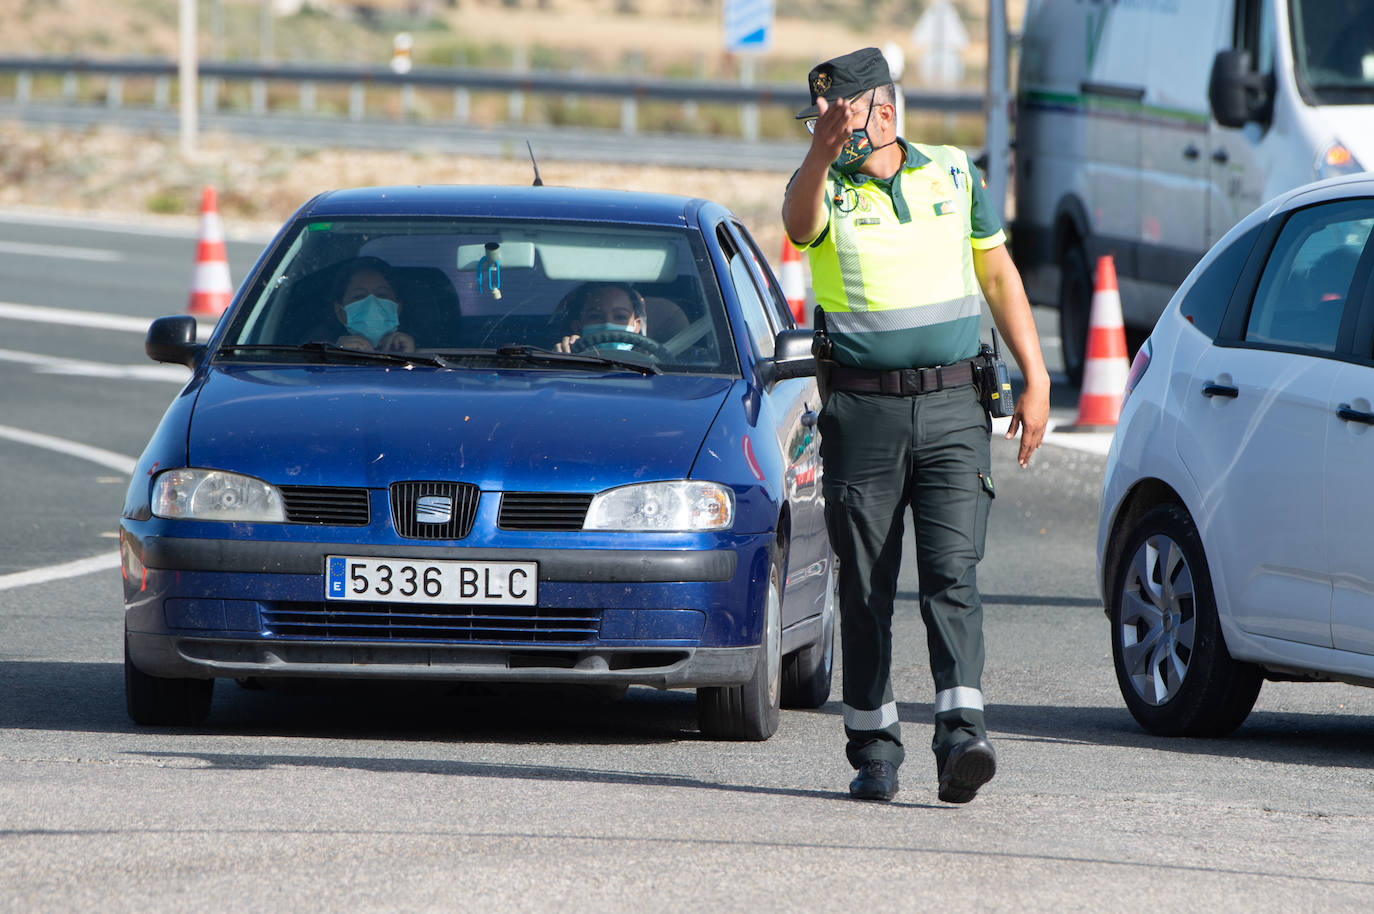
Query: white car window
x=1302 y=292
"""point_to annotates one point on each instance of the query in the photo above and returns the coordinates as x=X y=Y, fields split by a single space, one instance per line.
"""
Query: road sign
x=748 y=25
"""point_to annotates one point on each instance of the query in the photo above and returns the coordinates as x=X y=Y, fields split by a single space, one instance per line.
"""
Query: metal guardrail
x=462 y=81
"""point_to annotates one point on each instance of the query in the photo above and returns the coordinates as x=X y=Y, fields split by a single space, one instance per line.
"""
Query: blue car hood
x=513 y=430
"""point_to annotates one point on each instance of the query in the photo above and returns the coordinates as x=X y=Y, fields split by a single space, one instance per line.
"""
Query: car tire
x=1172 y=665
x=1075 y=309
x=806 y=673
x=155 y=701
x=750 y=711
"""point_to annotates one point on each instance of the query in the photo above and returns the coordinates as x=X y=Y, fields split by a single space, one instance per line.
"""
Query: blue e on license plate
x=409 y=581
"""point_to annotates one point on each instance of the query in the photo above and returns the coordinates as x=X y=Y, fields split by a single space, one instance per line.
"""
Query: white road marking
x=51 y=364
x=79 y=567
x=44 y=315
x=26 y=249
x=57 y=572
x=98 y=455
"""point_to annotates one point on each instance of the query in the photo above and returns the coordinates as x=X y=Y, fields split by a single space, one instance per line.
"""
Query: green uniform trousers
x=882 y=454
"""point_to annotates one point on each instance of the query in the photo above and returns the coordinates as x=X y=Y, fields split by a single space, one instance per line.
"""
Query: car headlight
x=1335 y=160
x=681 y=505
x=216 y=495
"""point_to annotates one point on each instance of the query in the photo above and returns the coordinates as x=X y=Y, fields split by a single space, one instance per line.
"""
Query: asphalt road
x=502 y=800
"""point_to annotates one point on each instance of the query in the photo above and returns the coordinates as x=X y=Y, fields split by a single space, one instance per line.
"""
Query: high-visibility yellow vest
x=894 y=272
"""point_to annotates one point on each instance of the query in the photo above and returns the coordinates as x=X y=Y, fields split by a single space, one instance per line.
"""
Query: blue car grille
x=325 y=505
x=543 y=511
x=400 y=622
x=412 y=520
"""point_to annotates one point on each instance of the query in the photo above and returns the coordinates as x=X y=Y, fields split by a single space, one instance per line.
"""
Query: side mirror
x=791 y=356
x=173 y=339
x=1237 y=94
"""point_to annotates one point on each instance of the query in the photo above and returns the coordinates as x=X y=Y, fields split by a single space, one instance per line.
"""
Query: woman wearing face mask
x=600 y=306
x=368 y=307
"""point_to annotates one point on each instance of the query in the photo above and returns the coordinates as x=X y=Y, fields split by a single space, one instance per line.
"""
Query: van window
x=1333 y=46
x=1255 y=33
x=1304 y=286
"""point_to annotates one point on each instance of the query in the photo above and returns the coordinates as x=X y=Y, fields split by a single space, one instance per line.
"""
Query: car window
x=1303 y=289
x=775 y=302
x=454 y=284
x=1205 y=298
x=751 y=300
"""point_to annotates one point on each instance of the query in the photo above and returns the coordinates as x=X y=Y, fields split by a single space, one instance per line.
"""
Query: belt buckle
x=911 y=381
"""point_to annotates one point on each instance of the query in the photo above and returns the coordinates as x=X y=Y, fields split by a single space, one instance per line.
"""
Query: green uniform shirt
x=893 y=267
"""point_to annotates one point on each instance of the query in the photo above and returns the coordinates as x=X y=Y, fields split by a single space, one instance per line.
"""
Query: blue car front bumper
x=200 y=607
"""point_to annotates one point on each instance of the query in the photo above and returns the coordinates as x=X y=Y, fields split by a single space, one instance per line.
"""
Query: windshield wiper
x=330 y=352
x=591 y=360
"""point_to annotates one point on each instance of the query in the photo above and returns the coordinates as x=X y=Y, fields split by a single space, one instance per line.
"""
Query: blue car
x=489 y=434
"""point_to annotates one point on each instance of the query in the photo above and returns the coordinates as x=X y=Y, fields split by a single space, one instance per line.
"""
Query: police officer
x=905 y=245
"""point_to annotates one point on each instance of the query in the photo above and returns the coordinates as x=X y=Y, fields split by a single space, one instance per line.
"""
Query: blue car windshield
x=484 y=290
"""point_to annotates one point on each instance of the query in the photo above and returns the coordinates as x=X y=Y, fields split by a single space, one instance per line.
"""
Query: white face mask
x=371 y=317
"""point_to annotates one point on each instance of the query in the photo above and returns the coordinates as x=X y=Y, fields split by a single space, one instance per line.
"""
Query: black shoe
x=970 y=765
x=877 y=780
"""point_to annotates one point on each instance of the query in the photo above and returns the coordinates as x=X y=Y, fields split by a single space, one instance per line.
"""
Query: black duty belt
x=903 y=382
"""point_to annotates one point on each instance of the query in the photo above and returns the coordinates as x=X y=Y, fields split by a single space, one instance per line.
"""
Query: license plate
x=452 y=583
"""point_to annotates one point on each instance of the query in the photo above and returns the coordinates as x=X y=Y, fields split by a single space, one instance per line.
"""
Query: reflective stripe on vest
x=878 y=278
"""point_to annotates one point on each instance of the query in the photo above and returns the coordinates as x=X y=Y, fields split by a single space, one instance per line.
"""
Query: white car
x=1234 y=543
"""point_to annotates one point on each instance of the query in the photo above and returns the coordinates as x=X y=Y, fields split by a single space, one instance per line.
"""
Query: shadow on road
x=1326 y=740
x=89 y=697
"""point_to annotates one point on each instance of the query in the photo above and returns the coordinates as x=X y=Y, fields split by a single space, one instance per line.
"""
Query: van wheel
x=750 y=711
x=1171 y=661
x=806 y=673
x=1075 y=309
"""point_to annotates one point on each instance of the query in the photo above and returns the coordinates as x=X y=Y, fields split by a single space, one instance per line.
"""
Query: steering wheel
x=639 y=342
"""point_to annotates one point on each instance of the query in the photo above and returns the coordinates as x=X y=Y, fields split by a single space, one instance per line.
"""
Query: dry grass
x=113 y=172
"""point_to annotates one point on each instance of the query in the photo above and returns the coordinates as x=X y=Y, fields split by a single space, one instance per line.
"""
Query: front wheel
x=750 y=711
x=1172 y=665
x=155 y=701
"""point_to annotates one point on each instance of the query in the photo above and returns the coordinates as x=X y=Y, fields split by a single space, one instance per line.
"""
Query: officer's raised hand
x=832 y=128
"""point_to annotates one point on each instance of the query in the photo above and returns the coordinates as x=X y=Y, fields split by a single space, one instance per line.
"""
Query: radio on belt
x=994 y=383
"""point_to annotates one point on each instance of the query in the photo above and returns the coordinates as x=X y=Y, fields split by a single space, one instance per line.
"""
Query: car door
x=795 y=403
x=1349 y=495
x=1255 y=418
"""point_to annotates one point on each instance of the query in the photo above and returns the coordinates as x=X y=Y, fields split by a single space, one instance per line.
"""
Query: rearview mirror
x=1236 y=93
x=792 y=356
x=173 y=340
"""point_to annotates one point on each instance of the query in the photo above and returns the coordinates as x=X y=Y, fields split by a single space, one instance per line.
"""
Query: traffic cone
x=1105 y=364
x=793 y=282
x=211 y=288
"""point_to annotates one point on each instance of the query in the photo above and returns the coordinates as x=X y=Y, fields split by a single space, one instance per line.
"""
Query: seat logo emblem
x=433 y=509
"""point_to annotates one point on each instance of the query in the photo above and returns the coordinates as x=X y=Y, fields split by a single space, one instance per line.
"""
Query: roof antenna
x=538 y=181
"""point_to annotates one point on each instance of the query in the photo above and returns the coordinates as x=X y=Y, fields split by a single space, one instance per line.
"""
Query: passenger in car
x=594 y=307
x=368 y=308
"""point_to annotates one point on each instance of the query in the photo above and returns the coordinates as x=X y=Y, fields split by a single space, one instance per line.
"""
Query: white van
x=1147 y=128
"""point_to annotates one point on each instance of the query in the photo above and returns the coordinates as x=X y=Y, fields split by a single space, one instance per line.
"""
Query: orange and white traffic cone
x=211 y=288
x=793 y=281
x=1105 y=364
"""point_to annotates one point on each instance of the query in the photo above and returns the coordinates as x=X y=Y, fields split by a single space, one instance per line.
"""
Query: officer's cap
x=846 y=77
